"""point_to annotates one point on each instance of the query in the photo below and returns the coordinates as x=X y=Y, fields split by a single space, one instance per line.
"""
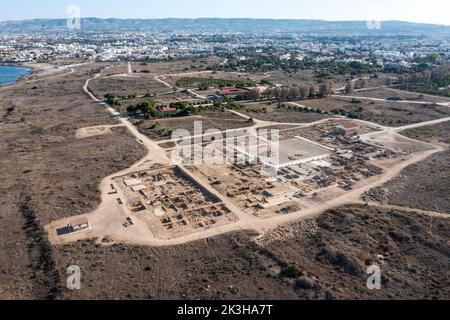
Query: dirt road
x=105 y=222
x=443 y=104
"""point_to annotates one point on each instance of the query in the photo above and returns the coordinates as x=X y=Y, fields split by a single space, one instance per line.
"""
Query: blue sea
x=10 y=75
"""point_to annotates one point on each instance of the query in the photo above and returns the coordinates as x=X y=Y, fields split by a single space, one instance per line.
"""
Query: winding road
x=139 y=234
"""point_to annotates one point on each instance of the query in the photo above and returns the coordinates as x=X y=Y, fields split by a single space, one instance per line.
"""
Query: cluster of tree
x=128 y=97
x=438 y=74
x=357 y=67
x=255 y=109
x=326 y=89
x=296 y=91
x=112 y=100
x=216 y=107
x=266 y=82
x=302 y=109
x=254 y=94
x=429 y=59
x=184 y=108
x=230 y=104
x=162 y=132
x=356 y=84
x=293 y=92
x=436 y=81
x=325 y=70
x=260 y=63
x=147 y=108
x=205 y=83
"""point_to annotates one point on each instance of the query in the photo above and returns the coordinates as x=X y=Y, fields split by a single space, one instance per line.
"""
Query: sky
x=428 y=11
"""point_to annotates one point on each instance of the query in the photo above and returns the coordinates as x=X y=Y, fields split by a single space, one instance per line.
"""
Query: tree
x=416 y=78
x=326 y=89
x=180 y=105
x=109 y=96
x=255 y=94
x=312 y=91
x=294 y=93
x=350 y=87
x=148 y=108
x=403 y=79
x=364 y=83
x=268 y=93
x=277 y=93
x=426 y=76
x=111 y=100
x=131 y=109
x=304 y=91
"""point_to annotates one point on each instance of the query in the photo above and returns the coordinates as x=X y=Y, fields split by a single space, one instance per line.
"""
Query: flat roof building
x=347 y=129
x=230 y=92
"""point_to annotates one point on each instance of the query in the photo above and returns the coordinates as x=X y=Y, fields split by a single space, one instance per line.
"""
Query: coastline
x=34 y=70
x=30 y=72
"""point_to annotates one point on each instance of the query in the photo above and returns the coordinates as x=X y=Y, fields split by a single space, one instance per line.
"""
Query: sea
x=11 y=74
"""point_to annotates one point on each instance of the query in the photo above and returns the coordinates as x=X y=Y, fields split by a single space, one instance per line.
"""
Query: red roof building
x=168 y=110
x=348 y=128
x=230 y=91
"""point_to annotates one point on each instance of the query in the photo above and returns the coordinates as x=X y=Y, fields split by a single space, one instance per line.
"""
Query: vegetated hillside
x=225 y=25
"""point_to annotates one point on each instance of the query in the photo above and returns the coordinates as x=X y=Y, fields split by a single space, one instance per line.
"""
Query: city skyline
x=402 y=10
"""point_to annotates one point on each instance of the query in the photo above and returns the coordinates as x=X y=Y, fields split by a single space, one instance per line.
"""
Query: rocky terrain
x=425 y=185
x=323 y=258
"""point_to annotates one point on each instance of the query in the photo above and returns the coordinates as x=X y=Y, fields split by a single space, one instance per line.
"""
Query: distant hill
x=225 y=25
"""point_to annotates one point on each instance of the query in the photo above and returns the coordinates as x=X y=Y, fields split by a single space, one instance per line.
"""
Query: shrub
x=291 y=271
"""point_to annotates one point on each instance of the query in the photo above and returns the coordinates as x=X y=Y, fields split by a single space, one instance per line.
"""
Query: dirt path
x=442 y=104
x=163 y=82
x=404 y=128
x=106 y=221
x=261 y=123
x=400 y=208
x=139 y=235
x=422 y=94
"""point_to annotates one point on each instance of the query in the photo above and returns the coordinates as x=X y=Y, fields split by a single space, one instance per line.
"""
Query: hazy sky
x=431 y=11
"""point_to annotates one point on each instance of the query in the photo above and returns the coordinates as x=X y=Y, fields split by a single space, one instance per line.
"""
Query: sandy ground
x=89 y=132
x=103 y=225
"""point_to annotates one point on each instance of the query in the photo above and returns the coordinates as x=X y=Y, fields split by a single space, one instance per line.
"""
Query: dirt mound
x=343 y=261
